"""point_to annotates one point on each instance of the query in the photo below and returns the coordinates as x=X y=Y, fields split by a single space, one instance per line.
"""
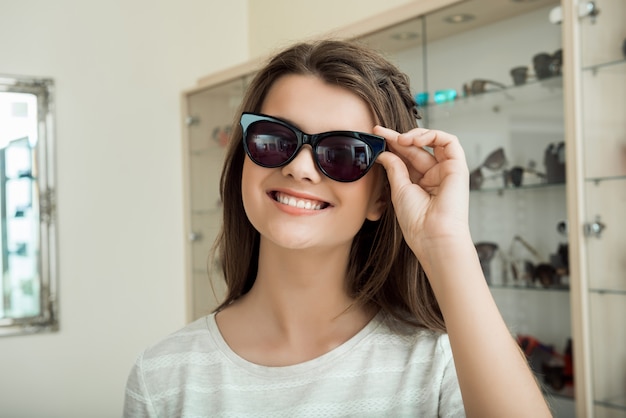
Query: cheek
x=245 y=171
x=376 y=193
x=248 y=184
x=357 y=196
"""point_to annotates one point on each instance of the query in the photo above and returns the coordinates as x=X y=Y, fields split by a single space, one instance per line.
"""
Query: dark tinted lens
x=344 y=158
x=270 y=144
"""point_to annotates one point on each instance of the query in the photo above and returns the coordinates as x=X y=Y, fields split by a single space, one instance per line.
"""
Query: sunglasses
x=479 y=86
x=341 y=155
x=494 y=161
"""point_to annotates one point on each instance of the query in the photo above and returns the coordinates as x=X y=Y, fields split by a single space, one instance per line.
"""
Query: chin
x=290 y=242
x=294 y=240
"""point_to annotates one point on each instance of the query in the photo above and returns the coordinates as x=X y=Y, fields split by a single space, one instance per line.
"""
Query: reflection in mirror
x=27 y=282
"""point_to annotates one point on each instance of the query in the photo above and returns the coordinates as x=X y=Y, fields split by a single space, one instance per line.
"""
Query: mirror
x=28 y=279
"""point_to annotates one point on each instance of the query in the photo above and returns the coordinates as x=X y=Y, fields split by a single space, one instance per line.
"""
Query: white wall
x=119 y=67
x=277 y=23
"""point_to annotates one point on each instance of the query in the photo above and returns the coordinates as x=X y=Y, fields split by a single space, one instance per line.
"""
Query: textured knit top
x=387 y=369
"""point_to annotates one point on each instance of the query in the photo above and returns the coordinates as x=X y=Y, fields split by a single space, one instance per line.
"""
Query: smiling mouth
x=299 y=203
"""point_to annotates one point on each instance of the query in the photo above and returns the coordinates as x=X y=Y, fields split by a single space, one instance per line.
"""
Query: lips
x=298 y=202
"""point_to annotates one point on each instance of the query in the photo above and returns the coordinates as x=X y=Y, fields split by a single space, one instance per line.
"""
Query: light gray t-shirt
x=388 y=369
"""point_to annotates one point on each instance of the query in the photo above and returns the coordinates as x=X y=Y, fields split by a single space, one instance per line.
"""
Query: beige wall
x=119 y=67
x=274 y=24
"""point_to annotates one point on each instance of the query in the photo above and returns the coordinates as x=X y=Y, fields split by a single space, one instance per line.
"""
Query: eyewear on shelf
x=496 y=160
x=543 y=272
x=486 y=252
x=519 y=74
x=421 y=98
x=343 y=156
x=443 y=96
x=547 y=65
x=480 y=86
x=515 y=175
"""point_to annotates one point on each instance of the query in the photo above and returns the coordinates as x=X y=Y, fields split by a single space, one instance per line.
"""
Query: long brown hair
x=383 y=270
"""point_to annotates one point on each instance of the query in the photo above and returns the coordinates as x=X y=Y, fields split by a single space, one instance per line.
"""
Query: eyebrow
x=287 y=121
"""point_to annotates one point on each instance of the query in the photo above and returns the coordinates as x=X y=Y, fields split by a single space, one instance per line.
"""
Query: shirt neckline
x=289 y=371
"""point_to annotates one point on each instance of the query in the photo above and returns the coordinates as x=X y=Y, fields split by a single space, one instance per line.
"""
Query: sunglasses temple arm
x=535 y=172
x=497 y=84
x=503 y=87
x=528 y=247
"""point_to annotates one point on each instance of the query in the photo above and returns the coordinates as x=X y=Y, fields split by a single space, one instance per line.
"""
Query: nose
x=303 y=167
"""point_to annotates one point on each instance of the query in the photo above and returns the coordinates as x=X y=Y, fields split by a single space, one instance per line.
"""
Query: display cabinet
x=461 y=61
x=208 y=116
x=595 y=106
x=541 y=122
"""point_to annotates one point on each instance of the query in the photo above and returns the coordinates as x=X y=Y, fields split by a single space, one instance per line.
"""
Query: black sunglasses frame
x=375 y=143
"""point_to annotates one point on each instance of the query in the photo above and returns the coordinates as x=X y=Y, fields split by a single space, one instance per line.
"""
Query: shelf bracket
x=595 y=228
x=585 y=9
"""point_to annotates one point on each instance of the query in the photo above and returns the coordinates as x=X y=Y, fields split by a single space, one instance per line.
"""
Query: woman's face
x=296 y=206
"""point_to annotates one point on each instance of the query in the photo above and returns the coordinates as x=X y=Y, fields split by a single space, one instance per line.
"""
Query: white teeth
x=298 y=203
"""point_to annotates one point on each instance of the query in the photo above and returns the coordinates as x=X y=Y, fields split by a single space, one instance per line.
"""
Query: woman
x=330 y=199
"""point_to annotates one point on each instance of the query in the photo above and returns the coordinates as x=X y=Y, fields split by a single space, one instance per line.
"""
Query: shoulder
x=167 y=371
x=412 y=363
x=192 y=332
x=397 y=333
x=191 y=344
x=394 y=344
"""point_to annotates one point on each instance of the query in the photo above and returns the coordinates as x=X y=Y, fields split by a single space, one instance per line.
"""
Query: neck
x=302 y=285
x=297 y=309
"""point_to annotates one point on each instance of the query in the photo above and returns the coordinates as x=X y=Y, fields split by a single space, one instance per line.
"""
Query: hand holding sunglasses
x=343 y=156
x=429 y=190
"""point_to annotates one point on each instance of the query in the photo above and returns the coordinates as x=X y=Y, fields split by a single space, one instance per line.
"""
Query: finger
x=444 y=144
x=403 y=145
x=397 y=171
x=422 y=137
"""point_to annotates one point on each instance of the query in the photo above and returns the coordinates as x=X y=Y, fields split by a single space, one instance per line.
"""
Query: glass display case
x=479 y=74
x=209 y=115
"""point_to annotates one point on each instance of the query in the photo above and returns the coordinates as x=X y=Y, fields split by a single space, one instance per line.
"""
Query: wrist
x=443 y=245
x=450 y=253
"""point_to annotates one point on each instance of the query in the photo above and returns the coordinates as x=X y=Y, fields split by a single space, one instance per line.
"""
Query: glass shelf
x=618 y=402
x=207 y=211
x=560 y=288
x=502 y=189
x=608 y=291
x=601 y=179
x=201 y=152
x=605 y=65
x=531 y=92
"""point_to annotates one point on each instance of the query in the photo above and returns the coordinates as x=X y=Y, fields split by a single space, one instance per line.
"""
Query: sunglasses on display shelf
x=479 y=86
x=516 y=175
x=486 y=252
x=445 y=95
x=495 y=161
x=525 y=271
x=343 y=156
